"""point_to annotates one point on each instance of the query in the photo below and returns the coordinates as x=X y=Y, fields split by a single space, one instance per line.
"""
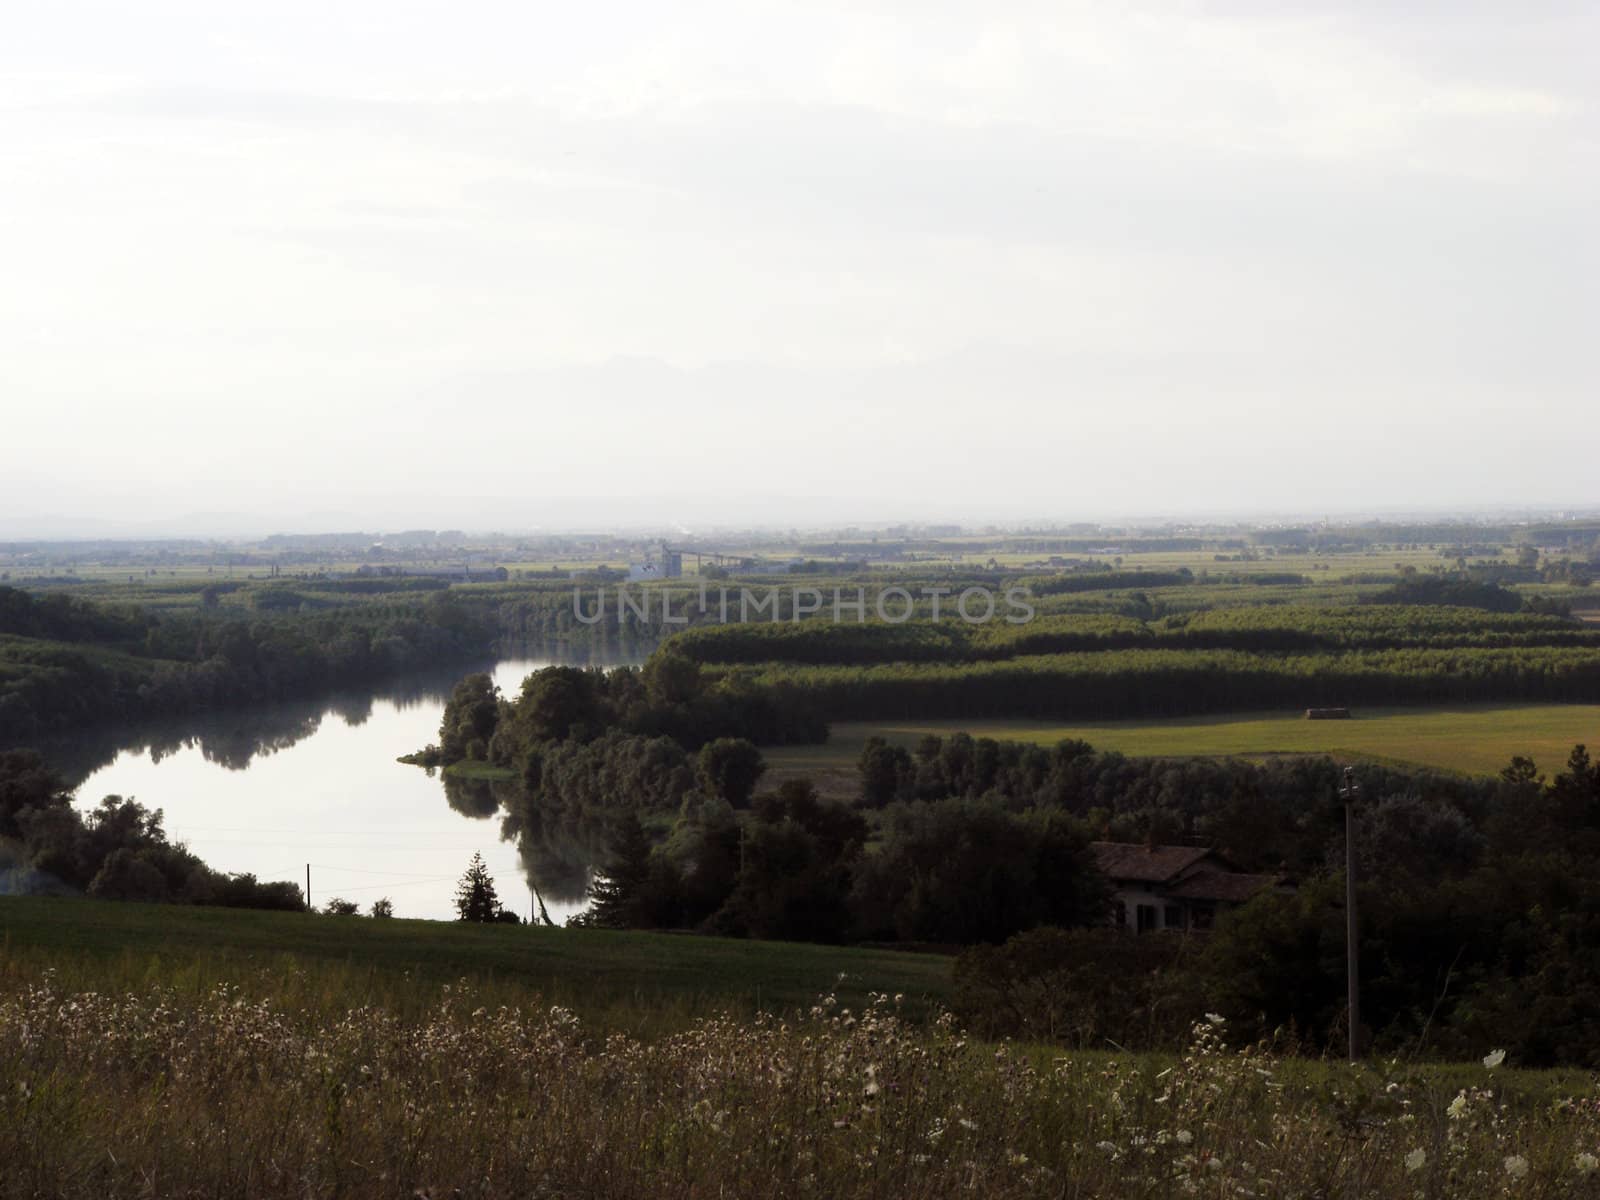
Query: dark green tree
x=729 y=769
x=884 y=770
x=618 y=895
x=476 y=899
x=469 y=719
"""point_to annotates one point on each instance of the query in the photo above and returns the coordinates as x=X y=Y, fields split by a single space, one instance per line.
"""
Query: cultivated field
x=1470 y=739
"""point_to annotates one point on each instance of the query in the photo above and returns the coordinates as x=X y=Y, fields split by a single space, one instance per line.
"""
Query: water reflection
x=558 y=850
x=273 y=788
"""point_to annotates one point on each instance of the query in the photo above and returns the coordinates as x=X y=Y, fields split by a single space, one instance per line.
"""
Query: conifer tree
x=475 y=895
x=618 y=893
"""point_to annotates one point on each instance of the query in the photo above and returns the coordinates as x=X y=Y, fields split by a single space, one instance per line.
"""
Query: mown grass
x=1475 y=739
x=617 y=979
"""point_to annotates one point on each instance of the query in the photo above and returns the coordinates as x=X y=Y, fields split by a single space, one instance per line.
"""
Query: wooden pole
x=1352 y=929
x=308 y=888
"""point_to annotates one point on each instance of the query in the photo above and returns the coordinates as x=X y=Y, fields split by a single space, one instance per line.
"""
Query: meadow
x=147 y=1052
x=617 y=979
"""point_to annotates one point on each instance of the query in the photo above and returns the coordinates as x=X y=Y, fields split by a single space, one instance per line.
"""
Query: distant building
x=662 y=563
x=1174 y=887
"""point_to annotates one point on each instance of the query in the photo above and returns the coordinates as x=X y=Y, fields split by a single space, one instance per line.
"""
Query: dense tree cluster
x=1161 y=682
x=669 y=698
x=1298 y=628
x=117 y=850
x=65 y=663
x=1479 y=900
x=799 y=869
x=1451 y=590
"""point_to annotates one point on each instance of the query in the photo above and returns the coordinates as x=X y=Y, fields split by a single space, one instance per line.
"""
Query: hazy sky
x=512 y=264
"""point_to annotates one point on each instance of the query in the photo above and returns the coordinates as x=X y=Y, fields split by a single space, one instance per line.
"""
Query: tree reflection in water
x=558 y=850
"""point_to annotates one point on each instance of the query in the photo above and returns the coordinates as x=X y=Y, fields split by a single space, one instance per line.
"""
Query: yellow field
x=1473 y=739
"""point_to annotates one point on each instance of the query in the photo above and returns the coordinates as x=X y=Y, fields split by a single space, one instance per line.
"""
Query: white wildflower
x=1416 y=1160
x=1586 y=1163
x=1494 y=1058
x=1516 y=1166
x=1216 y=1018
x=1457 y=1106
x=1106 y=1147
x=1183 y=1137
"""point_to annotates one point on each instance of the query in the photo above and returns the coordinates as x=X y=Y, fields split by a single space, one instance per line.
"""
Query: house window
x=1122 y=915
x=1174 y=917
x=1147 y=917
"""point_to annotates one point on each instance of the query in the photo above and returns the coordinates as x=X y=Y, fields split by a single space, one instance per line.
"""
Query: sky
x=479 y=264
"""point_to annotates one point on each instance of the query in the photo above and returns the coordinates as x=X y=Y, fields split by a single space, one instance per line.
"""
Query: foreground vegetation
x=163 y=1090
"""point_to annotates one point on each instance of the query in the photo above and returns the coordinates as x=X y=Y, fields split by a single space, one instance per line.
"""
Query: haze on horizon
x=515 y=265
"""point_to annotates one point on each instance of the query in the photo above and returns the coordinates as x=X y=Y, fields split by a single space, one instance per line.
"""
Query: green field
x=169 y=1051
x=1473 y=739
x=612 y=978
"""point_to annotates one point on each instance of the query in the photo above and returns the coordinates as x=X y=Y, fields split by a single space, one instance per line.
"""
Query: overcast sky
x=377 y=264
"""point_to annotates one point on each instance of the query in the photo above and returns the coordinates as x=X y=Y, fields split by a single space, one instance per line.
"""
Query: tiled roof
x=1221 y=885
x=1147 y=864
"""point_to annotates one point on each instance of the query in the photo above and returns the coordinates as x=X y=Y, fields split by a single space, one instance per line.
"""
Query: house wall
x=1132 y=896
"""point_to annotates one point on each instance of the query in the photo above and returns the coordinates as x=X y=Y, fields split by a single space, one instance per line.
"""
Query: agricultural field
x=1476 y=740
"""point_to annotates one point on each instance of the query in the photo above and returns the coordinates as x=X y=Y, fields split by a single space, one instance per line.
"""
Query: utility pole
x=308 y=888
x=1350 y=792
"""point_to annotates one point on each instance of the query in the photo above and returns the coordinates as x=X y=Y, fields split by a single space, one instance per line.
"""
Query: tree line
x=1160 y=682
x=1255 y=629
x=65 y=663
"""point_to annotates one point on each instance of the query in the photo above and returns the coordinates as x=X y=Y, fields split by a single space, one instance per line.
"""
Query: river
x=270 y=789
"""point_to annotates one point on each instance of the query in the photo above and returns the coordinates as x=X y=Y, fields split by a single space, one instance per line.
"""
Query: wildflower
x=1458 y=1105
x=1106 y=1148
x=1516 y=1166
x=966 y=1124
x=1183 y=1137
x=1494 y=1058
x=1416 y=1160
x=1216 y=1018
x=1586 y=1163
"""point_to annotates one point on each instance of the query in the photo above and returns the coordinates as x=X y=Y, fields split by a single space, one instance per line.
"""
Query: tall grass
x=236 y=1091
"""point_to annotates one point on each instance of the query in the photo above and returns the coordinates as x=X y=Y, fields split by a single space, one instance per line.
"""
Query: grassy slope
x=1477 y=739
x=608 y=976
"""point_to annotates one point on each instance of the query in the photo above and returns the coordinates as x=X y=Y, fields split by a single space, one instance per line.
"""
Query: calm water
x=270 y=789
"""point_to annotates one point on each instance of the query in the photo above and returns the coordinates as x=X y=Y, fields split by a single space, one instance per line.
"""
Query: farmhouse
x=1174 y=887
